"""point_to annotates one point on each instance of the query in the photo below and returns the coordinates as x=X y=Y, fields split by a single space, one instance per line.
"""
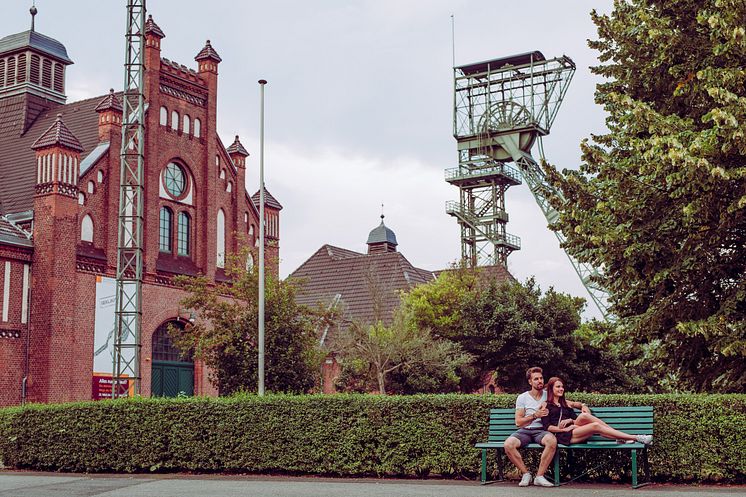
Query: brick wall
x=13 y=332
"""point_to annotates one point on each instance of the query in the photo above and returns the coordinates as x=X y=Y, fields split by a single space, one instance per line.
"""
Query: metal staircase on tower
x=502 y=108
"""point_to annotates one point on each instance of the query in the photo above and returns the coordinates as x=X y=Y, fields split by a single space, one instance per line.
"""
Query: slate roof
x=382 y=233
x=361 y=280
x=10 y=233
x=18 y=160
x=38 y=41
x=208 y=52
x=58 y=134
x=269 y=200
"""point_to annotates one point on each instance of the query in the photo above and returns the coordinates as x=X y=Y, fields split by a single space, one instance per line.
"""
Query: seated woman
x=569 y=427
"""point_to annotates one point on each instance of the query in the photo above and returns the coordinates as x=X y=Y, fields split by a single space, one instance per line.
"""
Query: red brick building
x=59 y=195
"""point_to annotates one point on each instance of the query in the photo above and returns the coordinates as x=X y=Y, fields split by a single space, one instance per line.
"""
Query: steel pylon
x=128 y=313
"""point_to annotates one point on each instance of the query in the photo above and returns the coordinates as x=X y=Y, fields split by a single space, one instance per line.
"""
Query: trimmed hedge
x=697 y=437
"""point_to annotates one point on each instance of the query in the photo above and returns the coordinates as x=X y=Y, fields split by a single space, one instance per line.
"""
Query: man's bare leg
x=550 y=445
x=512 y=445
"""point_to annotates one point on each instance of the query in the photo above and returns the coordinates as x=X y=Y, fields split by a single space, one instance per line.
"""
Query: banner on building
x=103 y=343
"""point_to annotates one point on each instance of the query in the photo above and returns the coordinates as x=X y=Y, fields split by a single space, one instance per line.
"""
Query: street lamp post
x=262 y=82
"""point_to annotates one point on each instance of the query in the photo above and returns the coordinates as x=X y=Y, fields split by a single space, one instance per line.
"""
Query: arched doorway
x=172 y=372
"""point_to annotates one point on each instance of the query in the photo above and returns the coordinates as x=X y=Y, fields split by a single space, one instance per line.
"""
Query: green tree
x=371 y=354
x=509 y=327
x=225 y=335
x=660 y=201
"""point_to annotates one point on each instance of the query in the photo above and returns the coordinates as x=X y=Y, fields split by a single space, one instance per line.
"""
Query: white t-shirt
x=530 y=406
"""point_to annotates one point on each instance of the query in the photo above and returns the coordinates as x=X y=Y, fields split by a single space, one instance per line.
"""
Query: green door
x=169 y=378
x=172 y=373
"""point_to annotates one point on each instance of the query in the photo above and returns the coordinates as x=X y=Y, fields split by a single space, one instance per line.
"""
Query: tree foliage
x=225 y=335
x=660 y=201
x=509 y=327
x=397 y=358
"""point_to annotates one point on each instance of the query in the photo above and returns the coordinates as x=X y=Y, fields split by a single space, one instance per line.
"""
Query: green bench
x=637 y=420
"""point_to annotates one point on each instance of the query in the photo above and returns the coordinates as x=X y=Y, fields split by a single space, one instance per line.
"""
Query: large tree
x=509 y=327
x=225 y=334
x=659 y=204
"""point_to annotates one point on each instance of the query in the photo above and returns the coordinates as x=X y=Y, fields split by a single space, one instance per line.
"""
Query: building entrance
x=172 y=372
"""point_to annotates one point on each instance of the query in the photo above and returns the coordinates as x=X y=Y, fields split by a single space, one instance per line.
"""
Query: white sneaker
x=645 y=439
x=525 y=480
x=540 y=481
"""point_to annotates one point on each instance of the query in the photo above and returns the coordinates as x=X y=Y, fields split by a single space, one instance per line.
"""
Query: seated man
x=530 y=407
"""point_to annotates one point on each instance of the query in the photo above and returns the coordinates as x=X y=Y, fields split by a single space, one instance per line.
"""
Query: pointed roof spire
x=237 y=148
x=58 y=134
x=151 y=28
x=269 y=200
x=109 y=102
x=208 y=52
x=33 y=12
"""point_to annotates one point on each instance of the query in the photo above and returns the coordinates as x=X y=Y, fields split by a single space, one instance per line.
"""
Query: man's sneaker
x=525 y=480
x=645 y=439
x=540 y=481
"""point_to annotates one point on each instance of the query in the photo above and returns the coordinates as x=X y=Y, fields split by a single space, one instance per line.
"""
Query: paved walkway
x=30 y=484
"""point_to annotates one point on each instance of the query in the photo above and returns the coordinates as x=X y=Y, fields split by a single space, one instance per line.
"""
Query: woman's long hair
x=550 y=391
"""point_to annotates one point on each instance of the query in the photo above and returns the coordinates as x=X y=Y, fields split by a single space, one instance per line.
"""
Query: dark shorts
x=527 y=436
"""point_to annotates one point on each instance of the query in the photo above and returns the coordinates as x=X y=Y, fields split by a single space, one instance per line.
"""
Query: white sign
x=104 y=325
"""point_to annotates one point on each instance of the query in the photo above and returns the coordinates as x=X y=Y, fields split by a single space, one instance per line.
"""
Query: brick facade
x=66 y=259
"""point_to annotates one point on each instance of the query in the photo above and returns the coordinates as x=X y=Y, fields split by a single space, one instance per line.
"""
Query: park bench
x=637 y=420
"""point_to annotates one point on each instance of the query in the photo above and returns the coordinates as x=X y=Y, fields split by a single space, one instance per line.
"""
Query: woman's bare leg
x=586 y=431
x=586 y=418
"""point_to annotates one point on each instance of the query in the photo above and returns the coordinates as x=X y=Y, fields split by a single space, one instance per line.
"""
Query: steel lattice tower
x=129 y=246
x=502 y=107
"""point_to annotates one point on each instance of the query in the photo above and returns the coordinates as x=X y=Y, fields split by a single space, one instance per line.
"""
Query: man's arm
x=578 y=405
x=521 y=419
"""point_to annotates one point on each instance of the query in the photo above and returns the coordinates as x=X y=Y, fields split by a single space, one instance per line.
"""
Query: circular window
x=175 y=179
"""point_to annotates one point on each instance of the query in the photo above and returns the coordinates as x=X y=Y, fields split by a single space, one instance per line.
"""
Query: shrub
x=698 y=437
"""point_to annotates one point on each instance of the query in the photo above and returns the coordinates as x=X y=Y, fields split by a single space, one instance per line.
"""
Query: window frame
x=165 y=230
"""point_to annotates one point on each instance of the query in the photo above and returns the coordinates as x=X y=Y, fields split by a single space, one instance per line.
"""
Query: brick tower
x=61 y=367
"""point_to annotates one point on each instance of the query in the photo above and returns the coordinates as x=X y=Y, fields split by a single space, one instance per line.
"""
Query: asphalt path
x=31 y=484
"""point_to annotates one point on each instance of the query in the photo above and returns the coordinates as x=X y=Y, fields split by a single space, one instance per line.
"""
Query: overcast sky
x=358 y=106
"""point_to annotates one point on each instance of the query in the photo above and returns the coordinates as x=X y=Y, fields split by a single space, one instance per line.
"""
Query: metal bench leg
x=484 y=466
x=500 y=475
x=556 y=468
x=634 y=468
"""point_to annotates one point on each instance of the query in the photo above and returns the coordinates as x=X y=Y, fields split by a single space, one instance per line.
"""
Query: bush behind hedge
x=697 y=437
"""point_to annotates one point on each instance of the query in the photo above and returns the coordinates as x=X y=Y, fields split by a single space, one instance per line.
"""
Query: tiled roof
x=269 y=200
x=237 y=148
x=487 y=274
x=152 y=28
x=18 y=160
x=110 y=101
x=35 y=40
x=58 y=134
x=208 y=53
x=361 y=280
